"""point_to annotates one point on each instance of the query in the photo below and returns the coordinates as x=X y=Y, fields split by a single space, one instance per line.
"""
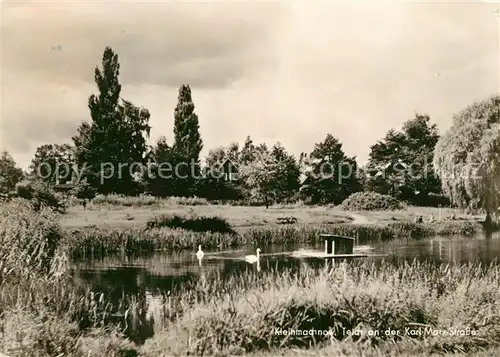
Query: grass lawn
x=242 y=217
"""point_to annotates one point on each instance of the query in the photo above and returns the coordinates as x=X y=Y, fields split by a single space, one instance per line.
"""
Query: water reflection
x=123 y=274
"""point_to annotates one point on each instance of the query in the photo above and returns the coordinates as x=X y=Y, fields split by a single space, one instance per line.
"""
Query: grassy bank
x=100 y=241
x=134 y=212
x=42 y=313
x=242 y=315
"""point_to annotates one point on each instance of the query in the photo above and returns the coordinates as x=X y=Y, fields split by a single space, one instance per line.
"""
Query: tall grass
x=101 y=241
x=42 y=313
x=243 y=314
x=191 y=223
x=147 y=200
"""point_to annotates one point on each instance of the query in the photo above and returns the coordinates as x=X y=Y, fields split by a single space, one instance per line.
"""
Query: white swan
x=363 y=248
x=253 y=258
x=199 y=253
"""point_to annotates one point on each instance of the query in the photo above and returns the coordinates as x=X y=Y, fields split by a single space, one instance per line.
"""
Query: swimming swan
x=200 y=253
x=253 y=258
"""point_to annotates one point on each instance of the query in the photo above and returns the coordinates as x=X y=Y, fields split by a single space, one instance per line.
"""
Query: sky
x=277 y=71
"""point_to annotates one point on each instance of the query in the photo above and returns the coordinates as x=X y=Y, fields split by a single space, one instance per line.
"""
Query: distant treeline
x=110 y=154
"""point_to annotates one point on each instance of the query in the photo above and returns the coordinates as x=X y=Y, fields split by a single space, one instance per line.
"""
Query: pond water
x=164 y=271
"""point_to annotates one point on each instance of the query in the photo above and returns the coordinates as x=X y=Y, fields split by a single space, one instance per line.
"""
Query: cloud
x=158 y=43
x=288 y=72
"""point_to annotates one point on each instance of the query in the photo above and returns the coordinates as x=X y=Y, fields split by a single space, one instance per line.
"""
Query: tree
x=331 y=175
x=213 y=184
x=10 y=174
x=401 y=163
x=260 y=176
x=187 y=140
x=467 y=157
x=219 y=155
x=115 y=139
x=161 y=179
x=248 y=151
x=53 y=163
x=268 y=175
x=287 y=179
x=187 y=136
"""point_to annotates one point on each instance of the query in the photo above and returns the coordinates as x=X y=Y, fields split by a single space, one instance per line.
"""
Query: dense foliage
x=331 y=176
x=53 y=163
x=401 y=163
x=467 y=156
x=115 y=139
x=28 y=240
x=10 y=174
x=370 y=201
x=41 y=195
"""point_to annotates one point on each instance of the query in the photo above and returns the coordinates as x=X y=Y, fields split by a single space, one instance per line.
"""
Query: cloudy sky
x=283 y=71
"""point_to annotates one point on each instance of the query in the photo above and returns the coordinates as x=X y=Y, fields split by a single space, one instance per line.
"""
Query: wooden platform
x=323 y=255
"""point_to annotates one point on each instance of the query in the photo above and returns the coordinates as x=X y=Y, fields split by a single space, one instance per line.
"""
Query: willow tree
x=467 y=157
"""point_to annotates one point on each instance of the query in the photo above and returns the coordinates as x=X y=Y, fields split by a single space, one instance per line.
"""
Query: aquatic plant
x=102 y=241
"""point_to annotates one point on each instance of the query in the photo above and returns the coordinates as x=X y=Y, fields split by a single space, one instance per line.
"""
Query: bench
x=286 y=220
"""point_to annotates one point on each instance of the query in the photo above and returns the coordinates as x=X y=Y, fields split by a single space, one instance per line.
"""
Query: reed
x=42 y=313
x=246 y=314
x=100 y=241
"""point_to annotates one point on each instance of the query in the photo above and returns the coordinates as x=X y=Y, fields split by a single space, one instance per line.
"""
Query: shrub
x=41 y=195
x=437 y=200
x=370 y=201
x=24 y=190
x=195 y=224
x=84 y=191
x=188 y=201
x=127 y=201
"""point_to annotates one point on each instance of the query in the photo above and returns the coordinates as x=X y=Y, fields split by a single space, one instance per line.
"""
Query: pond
x=165 y=271
x=145 y=276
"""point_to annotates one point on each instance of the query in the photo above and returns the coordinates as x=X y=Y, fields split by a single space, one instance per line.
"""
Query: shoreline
x=102 y=241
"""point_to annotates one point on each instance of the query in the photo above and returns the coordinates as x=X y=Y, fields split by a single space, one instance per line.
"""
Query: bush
x=188 y=201
x=436 y=200
x=84 y=191
x=41 y=195
x=370 y=201
x=24 y=190
x=127 y=201
x=195 y=224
